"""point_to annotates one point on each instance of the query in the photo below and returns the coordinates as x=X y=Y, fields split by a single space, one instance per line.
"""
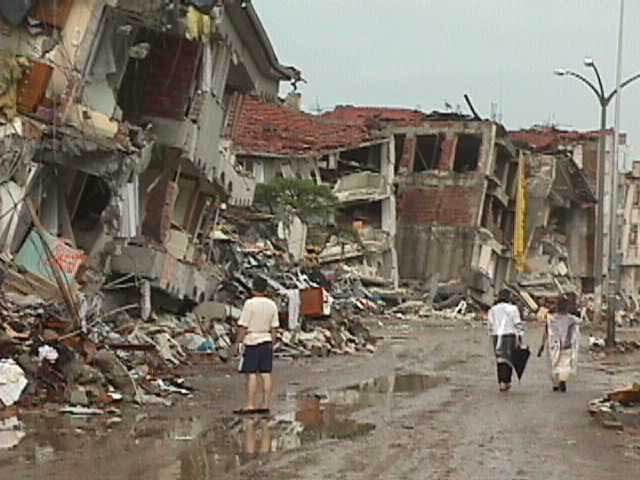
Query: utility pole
x=614 y=270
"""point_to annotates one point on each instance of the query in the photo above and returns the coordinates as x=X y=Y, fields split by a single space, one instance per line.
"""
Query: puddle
x=198 y=448
x=410 y=384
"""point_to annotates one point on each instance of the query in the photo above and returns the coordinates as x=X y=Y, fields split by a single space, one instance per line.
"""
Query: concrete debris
x=616 y=407
x=597 y=344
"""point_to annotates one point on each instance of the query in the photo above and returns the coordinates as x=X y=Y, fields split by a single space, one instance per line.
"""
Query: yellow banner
x=521 y=234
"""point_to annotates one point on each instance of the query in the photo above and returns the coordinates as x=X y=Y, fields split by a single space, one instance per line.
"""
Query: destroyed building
x=560 y=206
x=628 y=238
x=276 y=139
x=456 y=181
x=112 y=115
x=582 y=148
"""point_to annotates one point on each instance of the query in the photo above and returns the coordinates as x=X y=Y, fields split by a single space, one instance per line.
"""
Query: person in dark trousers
x=256 y=335
x=506 y=330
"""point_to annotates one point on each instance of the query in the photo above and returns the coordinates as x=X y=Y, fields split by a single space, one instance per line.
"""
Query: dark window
x=467 y=153
x=399 y=146
x=512 y=178
x=633 y=235
x=502 y=163
x=427 y=154
x=95 y=197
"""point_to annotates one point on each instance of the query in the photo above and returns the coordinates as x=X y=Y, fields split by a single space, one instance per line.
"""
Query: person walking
x=506 y=330
x=256 y=335
x=561 y=338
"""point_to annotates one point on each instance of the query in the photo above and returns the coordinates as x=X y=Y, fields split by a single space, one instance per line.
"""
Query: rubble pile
x=597 y=345
x=319 y=309
x=617 y=406
x=111 y=358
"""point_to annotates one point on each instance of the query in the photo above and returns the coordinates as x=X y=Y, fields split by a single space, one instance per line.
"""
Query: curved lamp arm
x=601 y=98
x=622 y=85
x=595 y=69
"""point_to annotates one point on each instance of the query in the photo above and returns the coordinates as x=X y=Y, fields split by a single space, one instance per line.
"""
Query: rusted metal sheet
x=312 y=302
x=33 y=86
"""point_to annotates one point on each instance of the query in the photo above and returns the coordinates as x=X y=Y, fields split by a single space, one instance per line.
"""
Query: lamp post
x=603 y=99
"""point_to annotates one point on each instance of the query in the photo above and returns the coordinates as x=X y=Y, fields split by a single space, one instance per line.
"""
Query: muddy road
x=425 y=405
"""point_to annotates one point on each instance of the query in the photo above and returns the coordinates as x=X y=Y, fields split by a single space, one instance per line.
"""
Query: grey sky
x=423 y=52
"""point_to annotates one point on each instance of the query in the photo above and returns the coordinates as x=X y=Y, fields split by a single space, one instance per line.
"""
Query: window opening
x=427 y=154
x=467 y=153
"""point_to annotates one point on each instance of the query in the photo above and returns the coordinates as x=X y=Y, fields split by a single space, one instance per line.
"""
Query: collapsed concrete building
x=111 y=117
x=560 y=215
x=274 y=139
x=582 y=148
x=456 y=180
x=628 y=239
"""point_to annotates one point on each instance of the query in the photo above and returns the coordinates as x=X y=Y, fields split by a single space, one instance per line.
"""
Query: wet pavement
x=309 y=417
x=342 y=418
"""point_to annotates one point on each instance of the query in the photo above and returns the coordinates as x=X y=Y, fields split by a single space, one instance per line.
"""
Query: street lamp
x=604 y=100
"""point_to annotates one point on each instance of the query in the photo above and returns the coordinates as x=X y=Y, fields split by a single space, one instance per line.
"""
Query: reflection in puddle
x=197 y=448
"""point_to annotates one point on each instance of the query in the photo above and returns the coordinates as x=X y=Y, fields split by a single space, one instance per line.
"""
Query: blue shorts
x=258 y=358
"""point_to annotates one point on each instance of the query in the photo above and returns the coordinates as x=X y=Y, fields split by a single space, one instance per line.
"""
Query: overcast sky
x=421 y=53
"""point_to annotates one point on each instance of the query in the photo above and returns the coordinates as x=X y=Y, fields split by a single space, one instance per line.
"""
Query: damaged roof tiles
x=260 y=127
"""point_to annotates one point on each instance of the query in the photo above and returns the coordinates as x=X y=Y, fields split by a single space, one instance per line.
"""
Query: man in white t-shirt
x=256 y=335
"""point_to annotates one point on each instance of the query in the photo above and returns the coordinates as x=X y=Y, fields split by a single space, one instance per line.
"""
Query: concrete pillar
x=408 y=155
x=448 y=153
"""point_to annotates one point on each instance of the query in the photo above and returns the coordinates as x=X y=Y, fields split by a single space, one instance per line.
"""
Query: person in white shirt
x=506 y=330
x=256 y=335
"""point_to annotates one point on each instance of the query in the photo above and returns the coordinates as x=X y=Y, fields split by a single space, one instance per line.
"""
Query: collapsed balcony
x=362 y=186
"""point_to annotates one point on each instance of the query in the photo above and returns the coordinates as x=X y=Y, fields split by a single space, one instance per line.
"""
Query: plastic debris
x=82 y=411
x=48 y=353
x=11 y=432
x=12 y=381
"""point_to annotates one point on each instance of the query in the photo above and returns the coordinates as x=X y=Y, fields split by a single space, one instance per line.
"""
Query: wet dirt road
x=425 y=406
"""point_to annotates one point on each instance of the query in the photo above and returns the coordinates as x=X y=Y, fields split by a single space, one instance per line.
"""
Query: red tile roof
x=371 y=116
x=549 y=138
x=260 y=127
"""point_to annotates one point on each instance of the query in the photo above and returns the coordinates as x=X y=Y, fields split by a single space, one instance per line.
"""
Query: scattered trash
x=47 y=353
x=11 y=432
x=617 y=405
x=77 y=411
x=12 y=382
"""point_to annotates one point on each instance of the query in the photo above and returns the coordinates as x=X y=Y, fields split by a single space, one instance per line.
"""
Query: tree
x=300 y=197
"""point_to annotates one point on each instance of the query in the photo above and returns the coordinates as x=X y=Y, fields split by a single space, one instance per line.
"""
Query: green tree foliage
x=301 y=197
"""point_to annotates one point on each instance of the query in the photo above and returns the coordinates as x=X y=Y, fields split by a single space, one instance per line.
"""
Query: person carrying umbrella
x=561 y=337
x=506 y=330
